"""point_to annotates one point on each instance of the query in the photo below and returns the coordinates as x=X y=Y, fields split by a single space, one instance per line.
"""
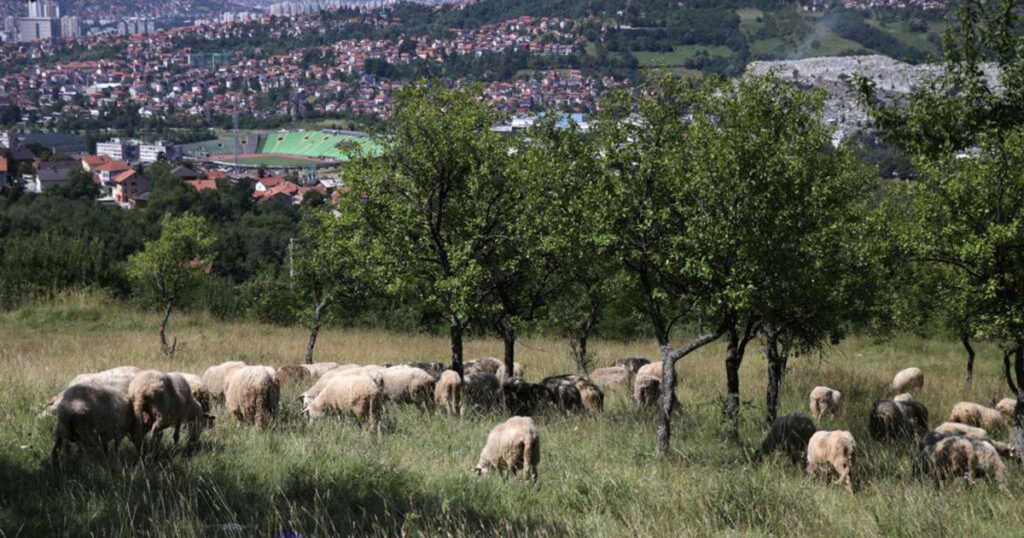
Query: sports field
x=261 y=159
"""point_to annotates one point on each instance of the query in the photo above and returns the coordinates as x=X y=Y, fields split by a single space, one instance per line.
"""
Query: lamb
x=293 y=374
x=903 y=397
x=481 y=392
x=611 y=377
x=216 y=378
x=488 y=365
x=907 y=380
x=1007 y=406
x=832 y=451
x=360 y=396
x=973 y=414
x=891 y=420
x=116 y=379
x=564 y=392
x=407 y=385
x=825 y=400
x=646 y=389
x=522 y=398
x=512 y=446
x=790 y=435
x=197 y=388
x=448 y=392
x=160 y=401
x=633 y=364
x=92 y=415
x=252 y=394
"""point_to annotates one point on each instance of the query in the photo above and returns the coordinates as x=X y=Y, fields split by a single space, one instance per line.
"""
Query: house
x=3 y=170
x=90 y=162
x=266 y=183
x=107 y=171
x=185 y=173
x=130 y=189
x=203 y=184
x=51 y=174
x=284 y=192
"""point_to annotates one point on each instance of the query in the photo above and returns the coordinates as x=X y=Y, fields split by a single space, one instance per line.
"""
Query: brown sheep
x=907 y=380
x=832 y=451
x=359 y=396
x=789 y=435
x=564 y=392
x=973 y=414
x=1006 y=406
x=633 y=364
x=448 y=392
x=198 y=389
x=956 y=428
x=216 y=378
x=590 y=394
x=160 y=401
x=511 y=447
x=293 y=374
x=948 y=456
x=825 y=400
x=92 y=415
x=408 y=385
x=489 y=365
x=252 y=394
x=611 y=377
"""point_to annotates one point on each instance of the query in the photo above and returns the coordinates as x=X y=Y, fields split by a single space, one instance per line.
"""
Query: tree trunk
x=314 y=330
x=455 y=333
x=508 y=337
x=733 y=358
x=965 y=339
x=666 y=399
x=163 y=327
x=776 y=372
x=1018 y=413
x=580 y=355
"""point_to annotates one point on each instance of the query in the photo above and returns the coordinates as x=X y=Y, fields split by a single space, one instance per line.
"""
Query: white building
x=151 y=153
x=122 y=150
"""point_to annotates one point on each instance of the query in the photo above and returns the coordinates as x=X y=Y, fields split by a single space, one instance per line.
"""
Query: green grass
x=679 y=55
x=598 y=476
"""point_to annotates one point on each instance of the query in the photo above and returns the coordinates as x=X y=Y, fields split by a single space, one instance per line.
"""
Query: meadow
x=598 y=476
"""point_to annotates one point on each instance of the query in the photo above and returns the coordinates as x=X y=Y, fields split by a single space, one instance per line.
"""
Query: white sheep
x=160 y=401
x=216 y=378
x=318 y=369
x=92 y=414
x=907 y=380
x=903 y=397
x=646 y=390
x=832 y=451
x=116 y=379
x=252 y=394
x=312 y=392
x=359 y=396
x=1006 y=406
x=825 y=400
x=448 y=392
x=976 y=415
x=512 y=446
x=611 y=377
x=409 y=385
x=653 y=369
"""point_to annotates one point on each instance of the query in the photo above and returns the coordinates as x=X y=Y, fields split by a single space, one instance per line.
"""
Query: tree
x=172 y=264
x=326 y=269
x=430 y=205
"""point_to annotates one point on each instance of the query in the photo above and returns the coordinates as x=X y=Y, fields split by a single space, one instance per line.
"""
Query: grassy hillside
x=598 y=475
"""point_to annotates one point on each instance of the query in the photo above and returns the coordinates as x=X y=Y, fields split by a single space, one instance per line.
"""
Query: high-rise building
x=41 y=22
x=70 y=27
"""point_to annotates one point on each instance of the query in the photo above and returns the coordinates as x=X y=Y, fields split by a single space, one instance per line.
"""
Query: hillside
x=598 y=476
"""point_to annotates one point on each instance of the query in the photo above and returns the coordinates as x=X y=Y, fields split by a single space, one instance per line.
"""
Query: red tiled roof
x=203 y=184
x=3 y=165
x=124 y=176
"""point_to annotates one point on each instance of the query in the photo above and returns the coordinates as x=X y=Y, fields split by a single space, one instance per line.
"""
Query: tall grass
x=598 y=475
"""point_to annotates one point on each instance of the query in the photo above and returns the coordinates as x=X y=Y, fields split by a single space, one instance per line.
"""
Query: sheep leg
x=58 y=444
x=177 y=431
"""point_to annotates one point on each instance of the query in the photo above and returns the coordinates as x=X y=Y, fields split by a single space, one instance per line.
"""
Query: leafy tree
x=428 y=204
x=79 y=185
x=171 y=265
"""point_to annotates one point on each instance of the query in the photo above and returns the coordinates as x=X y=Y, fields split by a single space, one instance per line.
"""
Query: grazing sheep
x=1007 y=406
x=517 y=372
x=116 y=379
x=359 y=396
x=92 y=415
x=789 y=435
x=318 y=369
x=891 y=420
x=216 y=378
x=973 y=414
x=408 y=385
x=252 y=394
x=907 y=380
x=653 y=369
x=489 y=365
x=522 y=398
x=512 y=446
x=948 y=457
x=646 y=389
x=564 y=392
x=160 y=401
x=947 y=429
x=311 y=393
x=633 y=364
x=198 y=389
x=611 y=377
x=448 y=392
x=987 y=463
x=481 y=392
x=590 y=394
x=432 y=368
x=832 y=451
x=293 y=374
x=825 y=400
x=957 y=428
x=903 y=397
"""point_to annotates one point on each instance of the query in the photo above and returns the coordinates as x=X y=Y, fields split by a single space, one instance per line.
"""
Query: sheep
x=790 y=435
x=517 y=372
x=216 y=378
x=903 y=397
x=957 y=428
x=987 y=462
x=891 y=420
x=311 y=393
x=633 y=364
x=564 y=392
x=360 y=396
x=1007 y=406
x=318 y=369
x=511 y=447
x=947 y=429
x=907 y=380
x=116 y=379
x=488 y=365
x=646 y=389
x=160 y=401
x=954 y=456
x=481 y=392
x=408 y=385
x=652 y=369
x=825 y=400
x=973 y=414
x=433 y=368
x=611 y=377
x=522 y=398
x=448 y=392
x=198 y=389
x=590 y=394
x=293 y=374
x=832 y=451
x=93 y=415
x=252 y=394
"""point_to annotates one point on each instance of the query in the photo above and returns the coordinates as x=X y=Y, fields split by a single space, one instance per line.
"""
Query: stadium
x=282 y=149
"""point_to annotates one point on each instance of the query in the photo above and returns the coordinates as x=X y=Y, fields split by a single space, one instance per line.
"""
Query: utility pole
x=235 y=120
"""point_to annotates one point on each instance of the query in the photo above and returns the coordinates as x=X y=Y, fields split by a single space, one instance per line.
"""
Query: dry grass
x=598 y=476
